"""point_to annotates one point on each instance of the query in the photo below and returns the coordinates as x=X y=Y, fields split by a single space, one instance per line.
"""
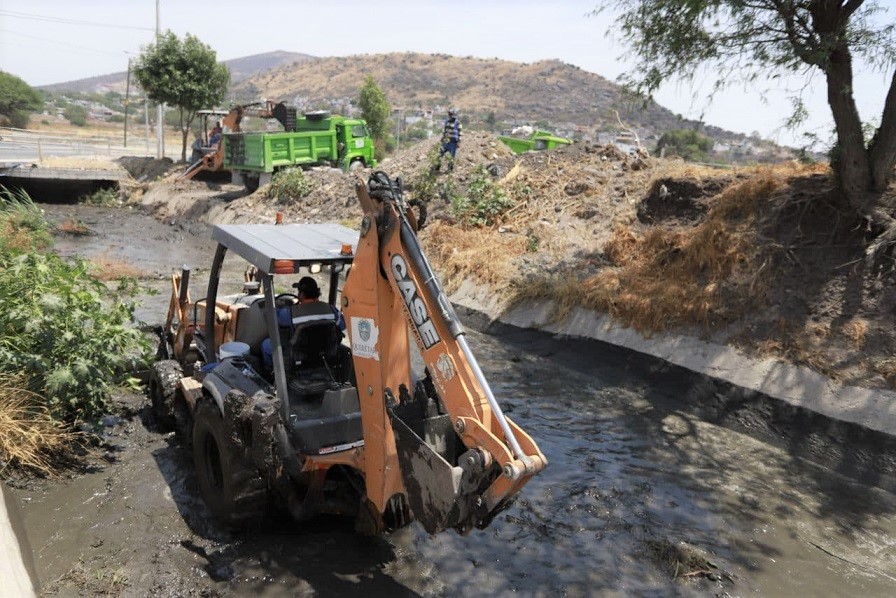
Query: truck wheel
x=356 y=165
x=251 y=181
x=234 y=492
x=163 y=378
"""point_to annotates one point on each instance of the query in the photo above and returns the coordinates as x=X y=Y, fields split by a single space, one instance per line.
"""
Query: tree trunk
x=183 y=133
x=851 y=163
x=883 y=148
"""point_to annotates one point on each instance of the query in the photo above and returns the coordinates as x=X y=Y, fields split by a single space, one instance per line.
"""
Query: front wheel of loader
x=234 y=492
x=163 y=378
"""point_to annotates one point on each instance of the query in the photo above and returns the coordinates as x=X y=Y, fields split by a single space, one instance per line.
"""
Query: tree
x=184 y=74
x=755 y=40
x=375 y=109
x=686 y=143
x=76 y=115
x=17 y=99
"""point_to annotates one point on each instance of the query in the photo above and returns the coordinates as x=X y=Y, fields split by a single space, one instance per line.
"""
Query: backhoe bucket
x=436 y=489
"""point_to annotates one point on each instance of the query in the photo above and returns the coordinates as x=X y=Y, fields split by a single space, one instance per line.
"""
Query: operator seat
x=316 y=344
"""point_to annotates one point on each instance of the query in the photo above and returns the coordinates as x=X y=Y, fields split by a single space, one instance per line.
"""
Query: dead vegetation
x=758 y=257
x=29 y=436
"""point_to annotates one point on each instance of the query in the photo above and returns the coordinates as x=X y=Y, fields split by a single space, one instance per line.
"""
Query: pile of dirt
x=146 y=169
x=763 y=258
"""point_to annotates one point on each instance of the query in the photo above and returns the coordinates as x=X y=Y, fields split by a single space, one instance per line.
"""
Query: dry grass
x=106 y=268
x=16 y=238
x=72 y=227
x=665 y=277
x=856 y=330
x=29 y=436
x=473 y=254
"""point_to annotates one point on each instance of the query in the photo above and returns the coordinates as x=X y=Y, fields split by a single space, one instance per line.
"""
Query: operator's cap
x=308 y=287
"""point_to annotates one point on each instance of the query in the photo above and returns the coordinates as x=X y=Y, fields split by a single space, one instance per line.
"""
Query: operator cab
x=264 y=340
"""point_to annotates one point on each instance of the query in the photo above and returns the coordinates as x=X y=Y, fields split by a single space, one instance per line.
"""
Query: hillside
x=548 y=90
x=562 y=97
x=240 y=69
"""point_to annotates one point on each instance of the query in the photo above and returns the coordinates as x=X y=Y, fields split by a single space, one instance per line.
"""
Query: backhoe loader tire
x=251 y=181
x=163 y=378
x=232 y=489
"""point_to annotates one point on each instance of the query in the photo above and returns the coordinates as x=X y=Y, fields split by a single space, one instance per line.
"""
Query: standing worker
x=450 y=137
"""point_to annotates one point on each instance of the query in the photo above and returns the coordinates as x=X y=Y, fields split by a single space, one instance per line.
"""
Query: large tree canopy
x=17 y=99
x=184 y=74
x=757 y=40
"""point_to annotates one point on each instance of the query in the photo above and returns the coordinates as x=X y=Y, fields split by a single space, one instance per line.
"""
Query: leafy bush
x=427 y=186
x=101 y=197
x=290 y=183
x=60 y=328
x=66 y=332
x=484 y=202
x=75 y=114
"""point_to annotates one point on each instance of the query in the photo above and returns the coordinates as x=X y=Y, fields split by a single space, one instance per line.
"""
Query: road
x=28 y=146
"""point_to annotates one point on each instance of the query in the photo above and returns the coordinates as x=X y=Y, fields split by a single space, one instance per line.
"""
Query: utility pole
x=160 y=141
x=127 y=102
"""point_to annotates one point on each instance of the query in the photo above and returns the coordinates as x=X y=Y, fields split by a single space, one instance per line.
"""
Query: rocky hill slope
x=548 y=90
x=240 y=69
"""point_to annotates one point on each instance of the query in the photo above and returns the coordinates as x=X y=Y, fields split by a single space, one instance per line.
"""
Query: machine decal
x=416 y=307
x=445 y=366
x=364 y=338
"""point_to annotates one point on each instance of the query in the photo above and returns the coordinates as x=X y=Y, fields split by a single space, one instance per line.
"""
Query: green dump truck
x=536 y=141
x=317 y=138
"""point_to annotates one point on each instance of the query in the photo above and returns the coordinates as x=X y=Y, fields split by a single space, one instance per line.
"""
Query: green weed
x=101 y=197
x=484 y=202
x=290 y=184
x=22 y=226
x=68 y=334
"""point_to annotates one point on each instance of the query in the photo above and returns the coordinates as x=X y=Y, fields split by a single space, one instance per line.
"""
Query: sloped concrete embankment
x=17 y=577
x=849 y=429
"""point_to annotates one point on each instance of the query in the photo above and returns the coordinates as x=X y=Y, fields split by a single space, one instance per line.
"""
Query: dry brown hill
x=240 y=69
x=547 y=90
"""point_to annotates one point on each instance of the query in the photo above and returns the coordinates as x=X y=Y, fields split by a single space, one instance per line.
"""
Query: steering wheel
x=279 y=299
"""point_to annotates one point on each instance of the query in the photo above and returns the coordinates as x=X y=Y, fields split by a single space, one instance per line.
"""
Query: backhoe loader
x=393 y=424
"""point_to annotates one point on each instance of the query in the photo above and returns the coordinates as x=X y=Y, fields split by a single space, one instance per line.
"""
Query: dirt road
x=641 y=497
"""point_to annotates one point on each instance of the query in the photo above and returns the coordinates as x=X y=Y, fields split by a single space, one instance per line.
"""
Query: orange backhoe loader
x=393 y=424
x=208 y=153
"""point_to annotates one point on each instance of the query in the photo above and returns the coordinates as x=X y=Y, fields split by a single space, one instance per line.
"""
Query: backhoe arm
x=442 y=441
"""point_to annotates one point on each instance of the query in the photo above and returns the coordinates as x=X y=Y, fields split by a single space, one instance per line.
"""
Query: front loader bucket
x=434 y=486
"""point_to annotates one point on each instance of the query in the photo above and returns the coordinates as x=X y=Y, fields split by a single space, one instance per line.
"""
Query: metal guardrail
x=33 y=145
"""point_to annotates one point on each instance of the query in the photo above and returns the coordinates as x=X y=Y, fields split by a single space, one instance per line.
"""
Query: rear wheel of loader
x=233 y=491
x=163 y=378
x=251 y=181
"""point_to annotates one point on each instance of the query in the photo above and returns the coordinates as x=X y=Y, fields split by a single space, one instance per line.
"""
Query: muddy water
x=640 y=497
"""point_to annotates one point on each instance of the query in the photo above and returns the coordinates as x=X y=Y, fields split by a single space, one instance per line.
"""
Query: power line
x=49 y=19
x=59 y=43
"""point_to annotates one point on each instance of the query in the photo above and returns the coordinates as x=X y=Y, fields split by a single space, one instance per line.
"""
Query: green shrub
x=290 y=183
x=63 y=330
x=101 y=197
x=67 y=332
x=484 y=202
x=75 y=114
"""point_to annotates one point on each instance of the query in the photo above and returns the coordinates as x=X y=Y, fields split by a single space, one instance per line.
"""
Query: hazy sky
x=52 y=41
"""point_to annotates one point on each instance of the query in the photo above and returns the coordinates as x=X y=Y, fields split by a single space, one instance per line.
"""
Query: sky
x=53 y=41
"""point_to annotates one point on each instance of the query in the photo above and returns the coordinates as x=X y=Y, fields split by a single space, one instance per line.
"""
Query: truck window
x=359 y=131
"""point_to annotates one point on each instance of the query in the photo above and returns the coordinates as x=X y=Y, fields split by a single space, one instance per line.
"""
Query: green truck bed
x=537 y=141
